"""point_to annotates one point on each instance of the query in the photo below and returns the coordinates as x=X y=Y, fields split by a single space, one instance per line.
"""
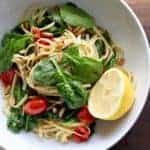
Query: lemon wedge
x=112 y=96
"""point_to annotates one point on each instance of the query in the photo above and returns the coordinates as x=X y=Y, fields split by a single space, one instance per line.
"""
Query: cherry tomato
x=39 y=34
x=85 y=116
x=36 y=32
x=44 y=42
x=35 y=106
x=7 y=77
x=81 y=134
x=47 y=35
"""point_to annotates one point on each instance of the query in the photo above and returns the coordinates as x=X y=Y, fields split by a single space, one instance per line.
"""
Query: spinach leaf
x=39 y=17
x=15 y=121
x=60 y=25
x=15 y=41
x=18 y=121
x=19 y=93
x=30 y=122
x=70 y=92
x=72 y=50
x=86 y=70
x=75 y=16
x=45 y=17
x=12 y=43
x=100 y=46
x=57 y=30
x=75 y=96
x=44 y=73
x=70 y=114
x=111 y=62
x=18 y=29
x=56 y=17
x=70 y=121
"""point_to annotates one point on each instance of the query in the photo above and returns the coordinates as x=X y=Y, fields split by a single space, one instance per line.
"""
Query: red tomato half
x=81 y=134
x=35 y=106
x=7 y=76
x=85 y=116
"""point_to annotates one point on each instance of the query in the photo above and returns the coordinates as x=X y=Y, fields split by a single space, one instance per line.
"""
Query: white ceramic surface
x=125 y=28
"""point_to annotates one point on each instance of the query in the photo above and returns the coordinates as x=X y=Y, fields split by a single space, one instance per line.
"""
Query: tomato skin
x=40 y=34
x=47 y=35
x=85 y=116
x=7 y=77
x=43 y=42
x=35 y=106
x=81 y=134
x=36 y=32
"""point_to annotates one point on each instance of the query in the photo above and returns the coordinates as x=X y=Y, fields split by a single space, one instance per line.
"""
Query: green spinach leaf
x=18 y=121
x=75 y=96
x=111 y=62
x=72 y=50
x=30 y=123
x=70 y=114
x=100 y=46
x=70 y=121
x=39 y=17
x=75 y=16
x=44 y=73
x=57 y=30
x=86 y=70
x=19 y=93
x=15 y=41
x=12 y=43
x=15 y=121
x=60 y=25
x=56 y=17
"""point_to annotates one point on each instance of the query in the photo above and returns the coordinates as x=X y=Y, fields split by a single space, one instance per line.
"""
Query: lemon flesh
x=112 y=96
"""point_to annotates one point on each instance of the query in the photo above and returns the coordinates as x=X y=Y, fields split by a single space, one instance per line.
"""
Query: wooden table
x=139 y=136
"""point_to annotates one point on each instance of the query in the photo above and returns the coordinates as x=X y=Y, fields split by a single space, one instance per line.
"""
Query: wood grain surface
x=142 y=10
x=139 y=136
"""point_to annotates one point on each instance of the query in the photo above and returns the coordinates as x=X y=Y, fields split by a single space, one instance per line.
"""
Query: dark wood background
x=138 y=137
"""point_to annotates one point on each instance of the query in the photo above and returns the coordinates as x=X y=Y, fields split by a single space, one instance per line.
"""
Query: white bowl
x=121 y=22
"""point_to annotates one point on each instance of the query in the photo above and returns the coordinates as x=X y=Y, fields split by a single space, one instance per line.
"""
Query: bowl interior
x=119 y=21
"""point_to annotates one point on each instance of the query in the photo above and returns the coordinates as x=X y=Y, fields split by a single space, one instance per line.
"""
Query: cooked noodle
x=56 y=129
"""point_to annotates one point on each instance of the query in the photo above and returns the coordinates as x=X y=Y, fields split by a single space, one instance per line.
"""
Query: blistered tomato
x=7 y=76
x=35 y=106
x=85 y=116
x=81 y=134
